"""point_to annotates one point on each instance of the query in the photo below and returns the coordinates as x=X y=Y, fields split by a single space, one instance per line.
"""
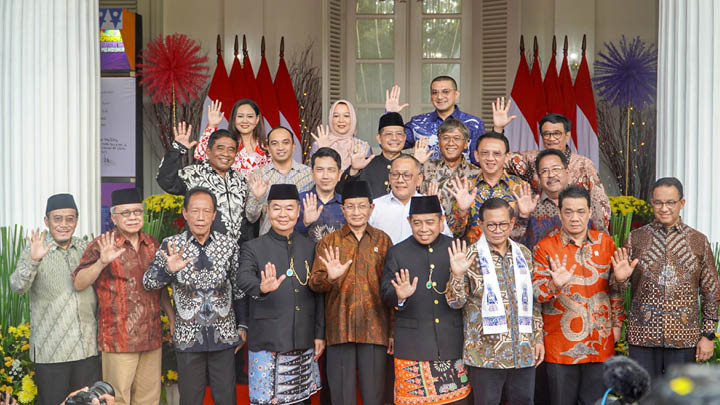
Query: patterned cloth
x=354 y=311
x=390 y=215
x=546 y=218
x=439 y=172
x=511 y=349
x=128 y=315
x=676 y=266
x=427 y=125
x=579 y=318
x=62 y=320
x=331 y=218
x=282 y=378
x=245 y=162
x=299 y=175
x=582 y=172
x=430 y=382
x=203 y=291
x=468 y=226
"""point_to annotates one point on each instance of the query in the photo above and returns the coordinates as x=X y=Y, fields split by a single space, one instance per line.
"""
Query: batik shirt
x=676 y=267
x=579 y=317
x=245 y=162
x=467 y=226
x=203 y=291
x=511 y=349
x=427 y=125
x=331 y=218
x=439 y=172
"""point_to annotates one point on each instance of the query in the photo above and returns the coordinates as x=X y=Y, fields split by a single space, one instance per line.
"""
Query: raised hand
x=323 y=137
x=215 y=114
x=459 y=188
x=38 y=248
x=433 y=189
x=331 y=261
x=526 y=202
x=311 y=210
x=268 y=279
x=622 y=267
x=500 y=114
x=422 y=150
x=258 y=185
x=182 y=134
x=108 y=250
x=403 y=287
x=359 y=159
x=559 y=272
x=392 y=100
x=460 y=260
x=174 y=259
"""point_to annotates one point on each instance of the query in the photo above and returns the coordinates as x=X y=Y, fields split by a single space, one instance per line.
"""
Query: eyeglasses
x=659 y=204
x=548 y=170
x=553 y=134
x=398 y=134
x=126 y=214
x=407 y=176
x=360 y=207
x=455 y=139
x=486 y=154
x=502 y=226
x=445 y=92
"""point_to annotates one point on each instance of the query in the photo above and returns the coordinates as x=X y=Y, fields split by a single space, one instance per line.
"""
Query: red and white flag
x=268 y=100
x=237 y=78
x=553 y=96
x=586 y=119
x=539 y=93
x=250 y=82
x=287 y=102
x=520 y=130
x=220 y=89
x=568 y=96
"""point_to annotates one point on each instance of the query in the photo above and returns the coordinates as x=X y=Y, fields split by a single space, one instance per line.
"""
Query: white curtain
x=49 y=109
x=688 y=143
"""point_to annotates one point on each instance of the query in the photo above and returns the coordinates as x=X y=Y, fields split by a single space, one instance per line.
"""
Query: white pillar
x=49 y=109
x=688 y=113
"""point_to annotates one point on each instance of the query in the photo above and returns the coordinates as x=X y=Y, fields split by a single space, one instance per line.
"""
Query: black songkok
x=126 y=196
x=425 y=205
x=60 y=201
x=283 y=192
x=390 y=119
x=356 y=189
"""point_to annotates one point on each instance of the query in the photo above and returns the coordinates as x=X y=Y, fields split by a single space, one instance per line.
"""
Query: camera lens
x=102 y=387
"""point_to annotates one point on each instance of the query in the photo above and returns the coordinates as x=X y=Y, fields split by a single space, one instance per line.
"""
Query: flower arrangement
x=16 y=370
x=642 y=210
x=163 y=215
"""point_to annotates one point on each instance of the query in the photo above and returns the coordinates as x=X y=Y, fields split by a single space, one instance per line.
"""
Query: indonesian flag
x=287 y=102
x=586 y=121
x=520 y=130
x=252 y=88
x=268 y=100
x=539 y=92
x=553 y=97
x=568 y=98
x=220 y=89
x=237 y=79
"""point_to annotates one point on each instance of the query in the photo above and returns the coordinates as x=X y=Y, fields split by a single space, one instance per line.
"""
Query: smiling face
x=61 y=223
x=222 y=154
x=554 y=177
x=281 y=145
x=357 y=211
x=199 y=214
x=283 y=215
x=404 y=178
x=491 y=155
x=326 y=174
x=452 y=144
x=496 y=225
x=128 y=218
x=554 y=136
x=575 y=214
x=667 y=205
x=391 y=138
x=426 y=227
x=443 y=95
x=246 y=119
x=341 y=119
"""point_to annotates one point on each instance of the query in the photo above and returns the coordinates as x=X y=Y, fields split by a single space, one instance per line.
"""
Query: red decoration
x=173 y=66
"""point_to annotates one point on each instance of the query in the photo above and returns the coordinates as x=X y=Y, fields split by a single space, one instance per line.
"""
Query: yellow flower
x=25 y=347
x=8 y=361
x=8 y=389
x=25 y=397
x=172 y=375
x=9 y=379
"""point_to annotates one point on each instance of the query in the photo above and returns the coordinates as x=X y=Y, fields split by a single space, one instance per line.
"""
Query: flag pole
x=627 y=152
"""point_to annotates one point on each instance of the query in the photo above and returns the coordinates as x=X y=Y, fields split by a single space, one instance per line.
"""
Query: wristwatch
x=710 y=336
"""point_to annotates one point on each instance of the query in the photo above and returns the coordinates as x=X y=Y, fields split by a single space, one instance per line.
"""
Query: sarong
x=430 y=382
x=282 y=378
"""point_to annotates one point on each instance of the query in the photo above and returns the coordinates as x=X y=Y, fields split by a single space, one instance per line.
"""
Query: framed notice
x=118 y=136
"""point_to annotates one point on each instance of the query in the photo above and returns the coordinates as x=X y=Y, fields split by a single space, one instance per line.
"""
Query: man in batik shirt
x=428 y=333
x=582 y=314
x=669 y=266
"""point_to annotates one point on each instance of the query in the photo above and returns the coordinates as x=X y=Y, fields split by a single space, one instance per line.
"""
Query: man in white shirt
x=393 y=209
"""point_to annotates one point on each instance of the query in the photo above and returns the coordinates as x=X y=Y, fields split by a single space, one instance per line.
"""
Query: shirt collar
x=336 y=198
x=295 y=166
x=455 y=114
x=190 y=237
x=207 y=167
x=504 y=178
x=74 y=240
x=143 y=238
x=279 y=237
x=345 y=230
x=395 y=200
x=566 y=239
x=678 y=227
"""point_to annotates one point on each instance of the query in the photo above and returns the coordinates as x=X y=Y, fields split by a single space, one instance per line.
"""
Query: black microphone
x=627 y=381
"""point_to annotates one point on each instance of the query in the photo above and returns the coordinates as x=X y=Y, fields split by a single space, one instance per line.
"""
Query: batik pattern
x=282 y=378
x=430 y=382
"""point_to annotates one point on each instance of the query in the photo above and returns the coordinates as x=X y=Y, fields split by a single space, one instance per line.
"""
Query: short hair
x=556 y=119
x=574 y=191
x=221 y=133
x=493 y=135
x=668 y=182
x=326 y=152
x=452 y=123
x=405 y=156
x=550 y=152
x=444 y=78
x=277 y=128
x=493 y=204
x=199 y=190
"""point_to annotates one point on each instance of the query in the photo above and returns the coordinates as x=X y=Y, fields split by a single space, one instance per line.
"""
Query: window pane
x=442 y=6
x=375 y=7
x=371 y=80
x=433 y=70
x=441 y=38
x=368 y=119
x=375 y=38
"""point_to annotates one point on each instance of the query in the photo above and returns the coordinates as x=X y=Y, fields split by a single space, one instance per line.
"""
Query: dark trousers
x=196 y=368
x=489 y=385
x=572 y=384
x=657 y=360
x=56 y=380
x=349 y=362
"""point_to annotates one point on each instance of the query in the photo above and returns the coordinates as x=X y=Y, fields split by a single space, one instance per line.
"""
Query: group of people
x=443 y=275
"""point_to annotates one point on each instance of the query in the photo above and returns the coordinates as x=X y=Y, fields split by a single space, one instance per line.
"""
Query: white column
x=688 y=138
x=49 y=109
